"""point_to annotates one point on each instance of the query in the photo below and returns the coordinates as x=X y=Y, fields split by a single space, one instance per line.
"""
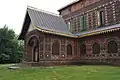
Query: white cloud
x=12 y=12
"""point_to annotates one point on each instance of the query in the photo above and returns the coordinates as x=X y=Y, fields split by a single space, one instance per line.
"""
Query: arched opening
x=33 y=49
x=96 y=48
x=82 y=49
x=36 y=54
x=56 y=48
x=69 y=49
x=112 y=47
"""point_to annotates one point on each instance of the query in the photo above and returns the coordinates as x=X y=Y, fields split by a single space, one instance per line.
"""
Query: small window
x=82 y=49
x=69 y=49
x=56 y=48
x=112 y=47
x=70 y=25
x=96 y=48
x=101 y=19
x=83 y=23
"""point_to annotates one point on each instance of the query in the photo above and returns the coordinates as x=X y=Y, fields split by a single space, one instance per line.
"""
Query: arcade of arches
x=39 y=48
x=112 y=47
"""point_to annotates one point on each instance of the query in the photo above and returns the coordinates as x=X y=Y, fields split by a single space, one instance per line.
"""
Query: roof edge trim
x=53 y=32
x=99 y=32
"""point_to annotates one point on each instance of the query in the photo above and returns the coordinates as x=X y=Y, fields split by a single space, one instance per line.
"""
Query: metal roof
x=99 y=30
x=54 y=24
x=47 y=21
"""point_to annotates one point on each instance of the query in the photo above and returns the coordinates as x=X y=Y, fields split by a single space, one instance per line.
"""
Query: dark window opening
x=101 y=18
x=96 y=48
x=82 y=49
x=56 y=48
x=69 y=49
x=112 y=47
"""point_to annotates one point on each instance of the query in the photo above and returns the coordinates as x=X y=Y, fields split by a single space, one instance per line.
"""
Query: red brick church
x=84 y=32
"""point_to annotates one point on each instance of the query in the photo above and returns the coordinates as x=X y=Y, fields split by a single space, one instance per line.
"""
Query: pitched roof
x=54 y=24
x=100 y=30
x=47 y=21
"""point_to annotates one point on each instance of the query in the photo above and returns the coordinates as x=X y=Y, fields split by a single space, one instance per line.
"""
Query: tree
x=11 y=50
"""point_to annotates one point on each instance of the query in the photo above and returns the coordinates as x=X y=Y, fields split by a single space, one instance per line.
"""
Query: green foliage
x=11 y=50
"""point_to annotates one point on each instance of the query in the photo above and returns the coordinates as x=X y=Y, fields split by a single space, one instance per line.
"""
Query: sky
x=12 y=12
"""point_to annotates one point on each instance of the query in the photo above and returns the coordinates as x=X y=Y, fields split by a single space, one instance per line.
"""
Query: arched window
x=69 y=49
x=112 y=47
x=83 y=49
x=96 y=48
x=56 y=48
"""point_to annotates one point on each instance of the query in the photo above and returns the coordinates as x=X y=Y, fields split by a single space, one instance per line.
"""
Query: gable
x=47 y=21
x=25 y=27
x=31 y=28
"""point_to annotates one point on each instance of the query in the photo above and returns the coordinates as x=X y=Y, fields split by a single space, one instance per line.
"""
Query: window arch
x=33 y=41
x=56 y=48
x=96 y=48
x=83 y=49
x=112 y=47
x=69 y=49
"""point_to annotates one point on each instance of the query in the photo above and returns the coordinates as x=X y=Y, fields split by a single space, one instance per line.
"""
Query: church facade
x=84 y=32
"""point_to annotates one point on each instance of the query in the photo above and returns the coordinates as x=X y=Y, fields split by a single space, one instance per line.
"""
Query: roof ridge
x=41 y=10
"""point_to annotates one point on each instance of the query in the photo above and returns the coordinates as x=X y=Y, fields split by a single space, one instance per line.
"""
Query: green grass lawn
x=61 y=73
